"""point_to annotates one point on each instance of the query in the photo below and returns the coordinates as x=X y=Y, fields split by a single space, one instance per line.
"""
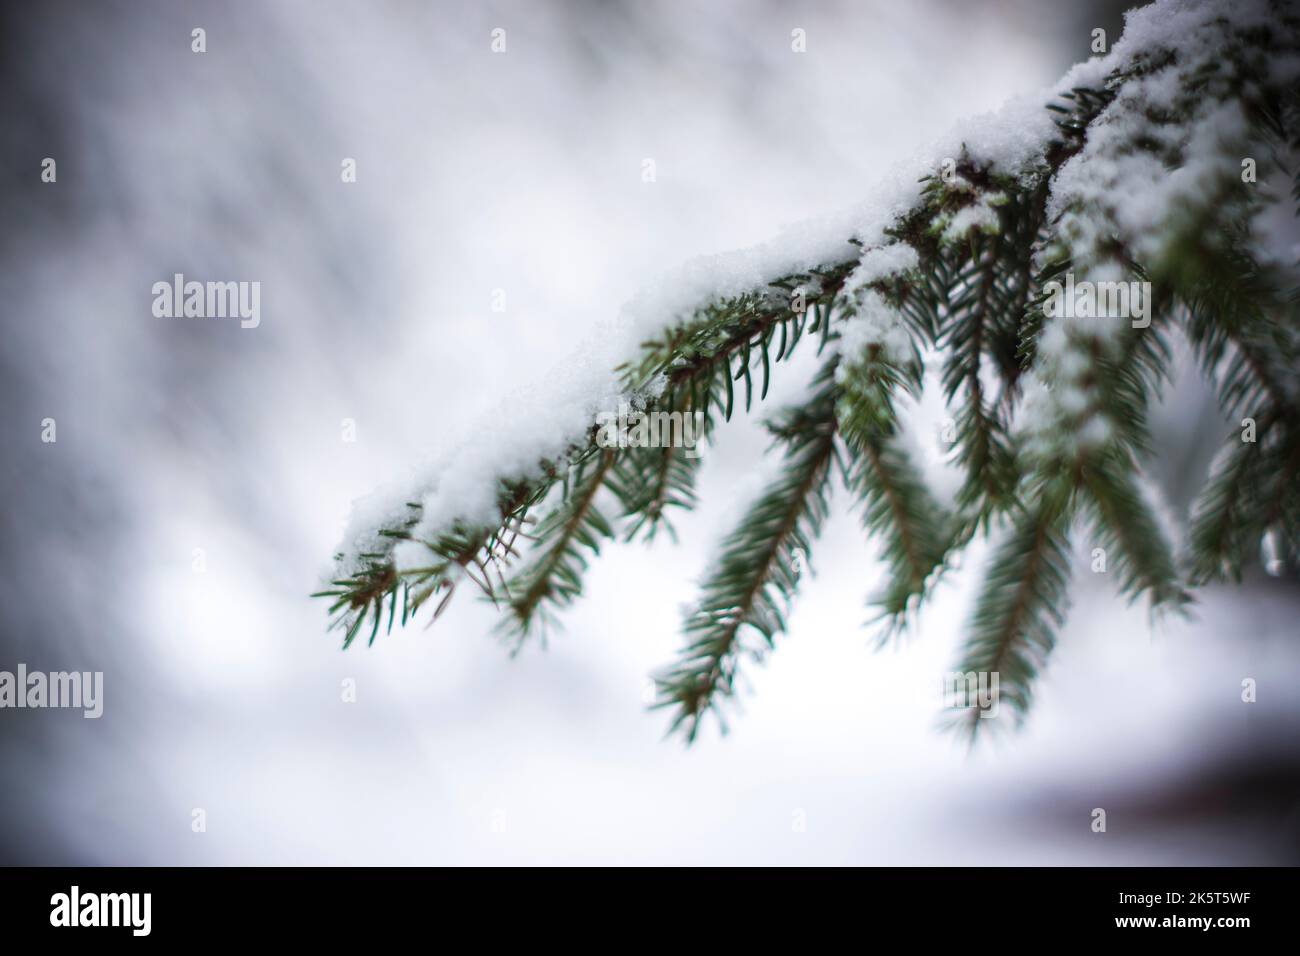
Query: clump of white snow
x=980 y=216
x=875 y=323
x=882 y=262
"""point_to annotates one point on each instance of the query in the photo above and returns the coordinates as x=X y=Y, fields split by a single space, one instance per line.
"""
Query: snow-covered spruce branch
x=758 y=571
x=1045 y=258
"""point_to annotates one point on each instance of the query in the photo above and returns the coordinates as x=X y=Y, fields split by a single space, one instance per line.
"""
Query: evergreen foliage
x=1050 y=415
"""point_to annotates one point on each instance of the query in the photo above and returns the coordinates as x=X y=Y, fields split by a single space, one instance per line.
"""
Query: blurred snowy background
x=519 y=172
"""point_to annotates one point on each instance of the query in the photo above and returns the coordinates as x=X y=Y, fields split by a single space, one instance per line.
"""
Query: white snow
x=882 y=262
x=875 y=323
x=537 y=423
x=980 y=216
